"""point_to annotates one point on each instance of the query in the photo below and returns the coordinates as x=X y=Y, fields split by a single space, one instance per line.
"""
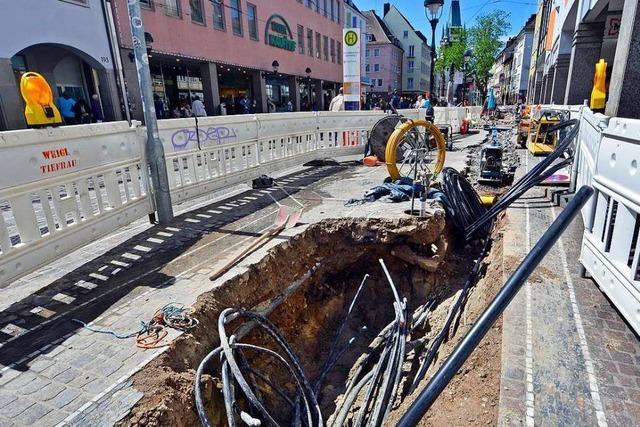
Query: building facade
x=65 y=41
x=416 y=62
x=521 y=62
x=280 y=55
x=384 y=56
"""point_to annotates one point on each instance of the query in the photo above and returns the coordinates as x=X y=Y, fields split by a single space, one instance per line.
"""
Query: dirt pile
x=305 y=286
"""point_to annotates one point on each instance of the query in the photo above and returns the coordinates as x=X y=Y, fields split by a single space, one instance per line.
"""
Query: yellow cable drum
x=413 y=135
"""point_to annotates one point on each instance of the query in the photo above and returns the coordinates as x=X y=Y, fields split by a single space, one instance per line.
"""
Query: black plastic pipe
x=471 y=340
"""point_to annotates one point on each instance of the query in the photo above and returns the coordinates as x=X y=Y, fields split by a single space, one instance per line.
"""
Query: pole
x=154 y=149
x=434 y=23
x=471 y=340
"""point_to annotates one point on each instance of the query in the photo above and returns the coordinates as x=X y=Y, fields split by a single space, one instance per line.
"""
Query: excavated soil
x=311 y=280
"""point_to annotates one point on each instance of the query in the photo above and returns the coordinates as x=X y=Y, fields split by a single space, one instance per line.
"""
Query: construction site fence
x=607 y=158
x=63 y=188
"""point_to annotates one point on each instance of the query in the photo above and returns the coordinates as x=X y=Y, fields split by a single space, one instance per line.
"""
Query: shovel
x=281 y=221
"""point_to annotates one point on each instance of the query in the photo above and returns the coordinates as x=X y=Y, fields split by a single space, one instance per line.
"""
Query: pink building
x=384 y=56
x=282 y=54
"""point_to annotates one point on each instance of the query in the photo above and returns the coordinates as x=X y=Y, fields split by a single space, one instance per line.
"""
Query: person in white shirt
x=197 y=107
x=337 y=103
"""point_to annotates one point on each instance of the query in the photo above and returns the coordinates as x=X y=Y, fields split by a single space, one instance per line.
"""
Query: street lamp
x=467 y=58
x=433 y=11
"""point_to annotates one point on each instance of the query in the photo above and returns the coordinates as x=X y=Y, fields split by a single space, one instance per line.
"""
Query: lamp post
x=433 y=11
x=467 y=58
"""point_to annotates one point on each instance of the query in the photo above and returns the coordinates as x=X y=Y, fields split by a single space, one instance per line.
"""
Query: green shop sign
x=278 y=34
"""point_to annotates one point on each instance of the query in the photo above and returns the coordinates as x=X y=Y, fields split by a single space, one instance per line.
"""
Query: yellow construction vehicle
x=539 y=141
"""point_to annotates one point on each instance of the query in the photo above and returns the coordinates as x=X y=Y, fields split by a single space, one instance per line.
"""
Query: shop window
x=172 y=7
x=236 y=20
x=333 y=51
x=339 y=53
x=310 y=42
x=252 y=17
x=197 y=14
x=318 y=46
x=325 y=47
x=218 y=15
x=301 y=39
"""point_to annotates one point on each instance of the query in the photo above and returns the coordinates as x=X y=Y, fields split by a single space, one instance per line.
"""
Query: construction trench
x=346 y=323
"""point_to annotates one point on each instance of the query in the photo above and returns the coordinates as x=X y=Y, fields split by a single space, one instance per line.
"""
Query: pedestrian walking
x=66 y=106
x=197 y=107
x=337 y=103
x=245 y=104
x=81 y=110
x=96 y=109
x=158 y=105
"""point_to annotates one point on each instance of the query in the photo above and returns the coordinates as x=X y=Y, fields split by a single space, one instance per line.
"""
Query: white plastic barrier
x=611 y=243
x=61 y=188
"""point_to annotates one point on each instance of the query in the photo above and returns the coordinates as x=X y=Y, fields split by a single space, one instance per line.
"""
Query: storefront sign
x=189 y=83
x=351 y=68
x=278 y=34
x=612 y=26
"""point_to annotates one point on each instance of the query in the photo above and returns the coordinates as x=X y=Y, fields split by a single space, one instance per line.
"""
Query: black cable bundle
x=464 y=205
x=235 y=370
x=536 y=175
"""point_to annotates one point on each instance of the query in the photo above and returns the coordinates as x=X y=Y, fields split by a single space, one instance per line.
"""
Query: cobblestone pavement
x=54 y=371
x=568 y=358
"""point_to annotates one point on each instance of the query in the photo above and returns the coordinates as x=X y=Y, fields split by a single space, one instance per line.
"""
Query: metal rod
x=154 y=149
x=471 y=340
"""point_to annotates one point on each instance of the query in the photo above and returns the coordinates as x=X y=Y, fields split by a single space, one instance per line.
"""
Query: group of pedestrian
x=182 y=110
x=77 y=112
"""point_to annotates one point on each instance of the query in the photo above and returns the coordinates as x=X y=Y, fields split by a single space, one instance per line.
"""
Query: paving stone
x=8 y=375
x=50 y=391
x=53 y=418
x=79 y=359
x=620 y=357
x=82 y=380
x=17 y=407
x=64 y=398
x=56 y=369
x=96 y=386
x=6 y=398
x=20 y=381
x=37 y=384
x=104 y=368
x=40 y=364
x=33 y=414
x=67 y=376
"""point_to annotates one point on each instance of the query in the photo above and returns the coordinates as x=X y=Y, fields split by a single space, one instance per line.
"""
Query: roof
x=418 y=33
x=353 y=5
x=377 y=28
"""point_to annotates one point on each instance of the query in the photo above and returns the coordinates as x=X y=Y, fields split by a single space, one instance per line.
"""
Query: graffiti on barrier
x=184 y=139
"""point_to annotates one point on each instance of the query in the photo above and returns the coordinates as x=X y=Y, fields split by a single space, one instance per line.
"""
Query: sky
x=413 y=10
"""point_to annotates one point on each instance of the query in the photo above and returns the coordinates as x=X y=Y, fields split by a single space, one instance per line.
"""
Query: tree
x=485 y=43
x=452 y=54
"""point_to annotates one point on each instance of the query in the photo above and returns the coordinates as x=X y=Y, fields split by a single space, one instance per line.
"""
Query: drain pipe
x=471 y=340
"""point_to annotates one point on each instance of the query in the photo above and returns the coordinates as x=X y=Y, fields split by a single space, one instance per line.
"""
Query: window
x=310 y=42
x=218 y=15
x=338 y=11
x=410 y=83
x=376 y=52
x=310 y=4
x=172 y=7
x=333 y=13
x=366 y=53
x=411 y=51
x=197 y=15
x=317 y=5
x=410 y=66
x=236 y=20
x=325 y=47
x=339 y=52
x=325 y=10
x=348 y=19
x=405 y=34
x=301 y=39
x=252 y=17
x=376 y=68
x=379 y=82
x=367 y=68
x=333 y=51
x=146 y=3
x=318 y=45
